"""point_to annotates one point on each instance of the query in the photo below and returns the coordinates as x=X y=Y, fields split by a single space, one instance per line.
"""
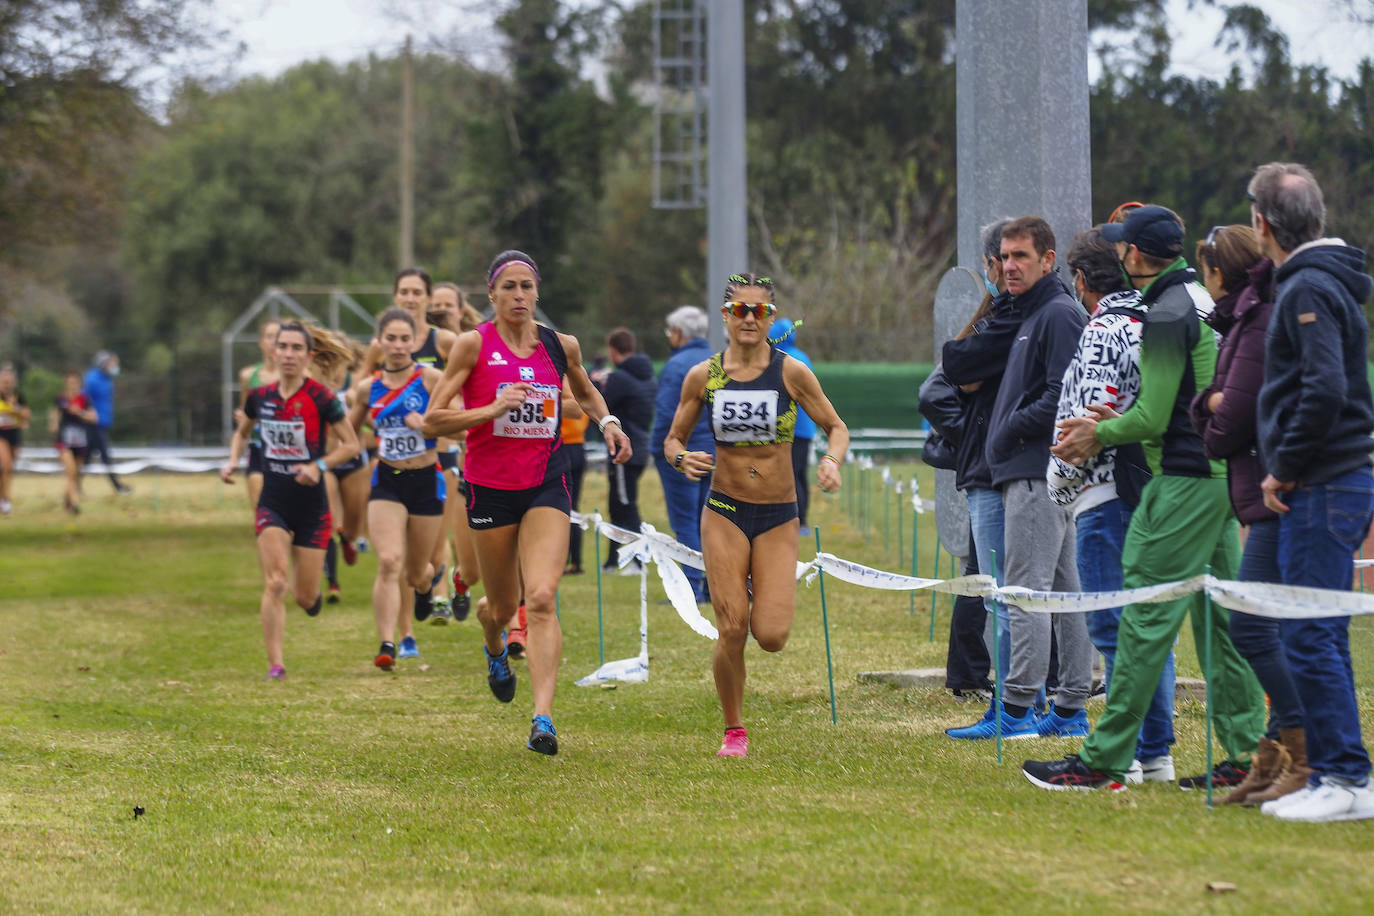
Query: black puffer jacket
x=980 y=357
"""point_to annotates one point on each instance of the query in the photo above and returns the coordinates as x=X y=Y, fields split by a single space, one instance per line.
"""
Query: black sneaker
x=543 y=736
x=461 y=605
x=1224 y=775
x=424 y=603
x=386 y=656
x=314 y=609
x=500 y=678
x=1069 y=773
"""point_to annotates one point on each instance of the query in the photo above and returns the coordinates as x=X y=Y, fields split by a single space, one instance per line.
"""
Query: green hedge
x=881 y=395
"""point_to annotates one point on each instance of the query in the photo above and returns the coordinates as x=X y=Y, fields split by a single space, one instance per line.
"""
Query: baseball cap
x=1156 y=231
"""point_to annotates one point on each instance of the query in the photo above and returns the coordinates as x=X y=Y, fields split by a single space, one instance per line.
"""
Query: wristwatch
x=319 y=463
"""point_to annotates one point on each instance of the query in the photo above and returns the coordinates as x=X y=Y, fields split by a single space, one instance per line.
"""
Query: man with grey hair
x=686 y=332
x=1316 y=431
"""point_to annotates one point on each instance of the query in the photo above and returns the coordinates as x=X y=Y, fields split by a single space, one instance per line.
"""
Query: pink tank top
x=517 y=450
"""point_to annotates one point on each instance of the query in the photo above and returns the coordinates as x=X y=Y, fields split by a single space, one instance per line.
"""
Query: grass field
x=131 y=674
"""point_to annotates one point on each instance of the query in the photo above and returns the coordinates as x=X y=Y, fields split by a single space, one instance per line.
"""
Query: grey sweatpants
x=1039 y=544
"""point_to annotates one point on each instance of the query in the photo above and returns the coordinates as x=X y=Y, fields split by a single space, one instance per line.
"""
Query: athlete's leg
x=71 y=472
x=774 y=569
x=254 y=489
x=386 y=520
x=274 y=547
x=727 y=554
x=496 y=553
x=543 y=552
x=421 y=533
x=8 y=456
x=353 y=492
x=465 y=551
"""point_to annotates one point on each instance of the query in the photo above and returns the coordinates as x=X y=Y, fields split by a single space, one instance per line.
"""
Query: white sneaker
x=1278 y=804
x=1135 y=775
x=5 y=507
x=1334 y=800
x=632 y=568
x=1158 y=769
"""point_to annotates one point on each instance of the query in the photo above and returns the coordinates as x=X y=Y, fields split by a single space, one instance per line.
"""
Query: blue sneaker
x=986 y=728
x=543 y=736
x=500 y=678
x=408 y=648
x=1053 y=725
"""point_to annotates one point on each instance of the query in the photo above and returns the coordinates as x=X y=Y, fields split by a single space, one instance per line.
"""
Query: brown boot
x=1264 y=769
x=1294 y=775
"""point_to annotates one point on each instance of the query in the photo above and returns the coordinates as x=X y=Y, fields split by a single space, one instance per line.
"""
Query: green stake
x=600 y=629
x=887 y=513
x=1207 y=679
x=901 y=532
x=933 y=593
x=825 y=622
x=996 y=668
x=915 y=529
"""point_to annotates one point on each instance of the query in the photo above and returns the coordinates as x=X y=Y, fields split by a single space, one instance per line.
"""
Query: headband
x=491 y=281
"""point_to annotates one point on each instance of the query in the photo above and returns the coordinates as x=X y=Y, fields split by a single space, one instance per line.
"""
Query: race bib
x=744 y=416
x=8 y=420
x=399 y=443
x=284 y=440
x=537 y=418
x=74 y=436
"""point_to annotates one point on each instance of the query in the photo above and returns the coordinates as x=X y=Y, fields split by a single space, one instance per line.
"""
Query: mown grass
x=131 y=672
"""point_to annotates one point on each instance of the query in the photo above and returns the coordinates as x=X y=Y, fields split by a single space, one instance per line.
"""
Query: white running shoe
x=1333 y=800
x=1283 y=801
x=5 y=507
x=1151 y=769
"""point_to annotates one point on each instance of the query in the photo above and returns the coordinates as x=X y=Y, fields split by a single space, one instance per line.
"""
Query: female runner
x=510 y=373
x=407 y=503
x=292 y=519
x=263 y=372
x=749 y=529
x=71 y=415
x=14 y=419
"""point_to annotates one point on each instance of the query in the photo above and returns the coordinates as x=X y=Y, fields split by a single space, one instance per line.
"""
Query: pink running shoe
x=736 y=743
x=277 y=672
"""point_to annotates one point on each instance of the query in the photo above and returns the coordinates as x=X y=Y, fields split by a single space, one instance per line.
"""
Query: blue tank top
x=389 y=408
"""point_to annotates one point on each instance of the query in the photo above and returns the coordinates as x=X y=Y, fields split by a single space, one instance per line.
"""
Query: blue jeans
x=1257 y=638
x=1101 y=536
x=684 y=499
x=988 y=519
x=1318 y=536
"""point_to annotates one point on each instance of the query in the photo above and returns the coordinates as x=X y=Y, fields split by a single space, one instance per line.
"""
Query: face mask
x=993 y=291
x=113 y=370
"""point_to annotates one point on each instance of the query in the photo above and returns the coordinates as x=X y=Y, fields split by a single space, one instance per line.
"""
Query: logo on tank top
x=414 y=403
x=496 y=359
x=526 y=373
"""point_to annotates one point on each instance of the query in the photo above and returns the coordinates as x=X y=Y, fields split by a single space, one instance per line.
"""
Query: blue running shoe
x=500 y=678
x=1053 y=725
x=986 y=728
x=408 y=648
x=543 y=736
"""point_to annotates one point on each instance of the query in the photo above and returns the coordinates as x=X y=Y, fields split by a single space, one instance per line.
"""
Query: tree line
x=149 y=234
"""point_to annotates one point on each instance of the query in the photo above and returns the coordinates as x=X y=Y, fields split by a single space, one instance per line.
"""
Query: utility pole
x=726 y=216
x=406 y=248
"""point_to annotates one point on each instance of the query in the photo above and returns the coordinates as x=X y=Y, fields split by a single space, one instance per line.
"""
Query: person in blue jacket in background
x=98 y=387
x=686 y=331
x=784 y=337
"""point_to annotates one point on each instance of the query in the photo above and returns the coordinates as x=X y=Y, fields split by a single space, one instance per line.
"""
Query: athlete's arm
x=357 y=413
x=347 y=446
x=241 y=433
x=694 y=464
x=442 y=418
x=803 y=385
x=593 y=404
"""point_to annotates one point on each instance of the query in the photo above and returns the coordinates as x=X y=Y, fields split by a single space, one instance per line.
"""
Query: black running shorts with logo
x=448 y=461
x=489 y=507
x=254 y=458
x=301 y=510
x=420 y=490
x=356 y=463
x=752 y=519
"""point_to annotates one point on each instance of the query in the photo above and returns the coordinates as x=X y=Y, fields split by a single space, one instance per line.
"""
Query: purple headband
x=491 y=282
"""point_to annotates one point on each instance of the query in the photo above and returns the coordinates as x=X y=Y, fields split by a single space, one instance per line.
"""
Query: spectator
x=1240 y=280
x=629 y=394
x=1315 y=422
x=1103 y=491
x=98 y=387
x=1183 y=522
x=684 y=497
x=574 y=435
x=784 y=337
x=1039 y=536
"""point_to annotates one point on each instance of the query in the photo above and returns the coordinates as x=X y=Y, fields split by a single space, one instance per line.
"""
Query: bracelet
x=606 y=421
x=319 y=463
x=677 y=462
x=831 y=458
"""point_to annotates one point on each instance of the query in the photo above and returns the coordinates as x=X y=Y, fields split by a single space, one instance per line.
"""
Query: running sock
x=314 y=609
x=459 y=586
x=1017 y=712
x=331 y=562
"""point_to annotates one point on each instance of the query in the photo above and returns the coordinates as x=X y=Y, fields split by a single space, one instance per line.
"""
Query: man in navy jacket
x=98 y=387
x=1315 y=419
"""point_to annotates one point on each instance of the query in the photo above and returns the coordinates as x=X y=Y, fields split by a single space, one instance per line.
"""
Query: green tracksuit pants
x=1182 y=525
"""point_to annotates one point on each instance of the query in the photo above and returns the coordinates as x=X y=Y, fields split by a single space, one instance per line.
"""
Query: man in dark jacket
x=686 y=330
x=629 y=394
x=1315 y=421
x=1183 y=523
x=1039 y=538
